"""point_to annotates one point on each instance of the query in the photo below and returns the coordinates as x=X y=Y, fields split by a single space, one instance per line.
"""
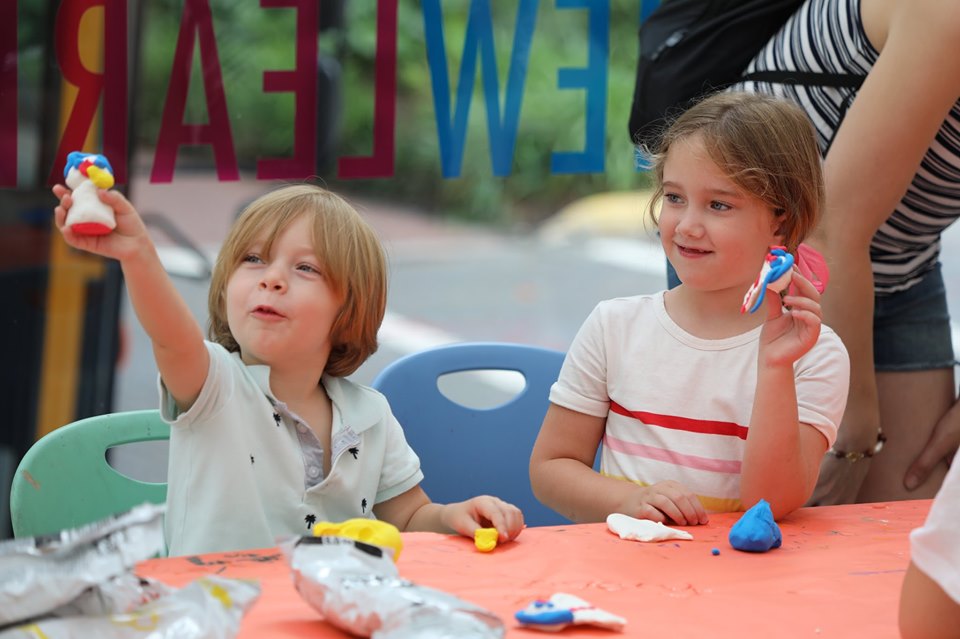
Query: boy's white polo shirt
x=237 y=472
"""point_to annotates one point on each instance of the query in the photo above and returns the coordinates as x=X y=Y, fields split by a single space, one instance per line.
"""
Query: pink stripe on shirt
x=661 y=454
x=674 y=422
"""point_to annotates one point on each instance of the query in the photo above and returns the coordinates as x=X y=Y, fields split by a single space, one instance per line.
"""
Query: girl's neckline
x=701 y=343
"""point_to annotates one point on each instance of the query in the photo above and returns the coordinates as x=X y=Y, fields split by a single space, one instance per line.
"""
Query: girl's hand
x=793 y=324
x=484 y=512
x=666 y=502
x=127 y=239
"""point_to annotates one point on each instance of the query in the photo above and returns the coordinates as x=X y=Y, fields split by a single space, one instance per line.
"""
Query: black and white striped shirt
x=828 y=36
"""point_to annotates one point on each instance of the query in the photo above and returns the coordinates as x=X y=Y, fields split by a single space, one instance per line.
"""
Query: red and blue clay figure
x=775 y=275
x=85 y=174
x=562 y=610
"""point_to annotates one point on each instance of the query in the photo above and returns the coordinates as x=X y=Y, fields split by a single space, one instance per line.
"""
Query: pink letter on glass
x=8 y=94
x=112 y=84
x=196 y=23
x=380 y=164
x=302 y=82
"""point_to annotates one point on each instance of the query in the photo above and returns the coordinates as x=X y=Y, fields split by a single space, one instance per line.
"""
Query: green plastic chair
x=64 y=480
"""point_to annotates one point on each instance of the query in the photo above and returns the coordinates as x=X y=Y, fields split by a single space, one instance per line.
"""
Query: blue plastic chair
x=467 y=451
x=64 y=480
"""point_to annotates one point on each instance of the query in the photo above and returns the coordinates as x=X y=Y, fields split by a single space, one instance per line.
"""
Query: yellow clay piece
x=101 y=178
x=485 y=539
x=369 y=531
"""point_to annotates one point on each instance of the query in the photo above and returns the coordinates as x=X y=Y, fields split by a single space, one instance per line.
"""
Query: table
x=837 y=574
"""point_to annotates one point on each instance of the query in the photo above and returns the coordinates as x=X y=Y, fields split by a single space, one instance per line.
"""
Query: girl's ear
x=778 y=224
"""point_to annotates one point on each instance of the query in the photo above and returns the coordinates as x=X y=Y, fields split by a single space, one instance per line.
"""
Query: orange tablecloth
x=838 y=574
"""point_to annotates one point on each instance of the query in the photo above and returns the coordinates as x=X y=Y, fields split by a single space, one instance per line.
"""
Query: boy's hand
x=127 y=239
x=789 y=333
x=483 y=512
x=666 y=502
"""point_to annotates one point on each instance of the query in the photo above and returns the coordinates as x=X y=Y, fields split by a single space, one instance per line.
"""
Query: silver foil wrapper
x=81 y=569
x=356 y=587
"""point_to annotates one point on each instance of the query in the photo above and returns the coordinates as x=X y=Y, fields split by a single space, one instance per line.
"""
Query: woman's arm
x=873 y=158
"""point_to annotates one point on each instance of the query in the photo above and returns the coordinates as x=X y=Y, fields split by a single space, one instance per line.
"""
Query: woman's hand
x=942 y=446
x=839 y=481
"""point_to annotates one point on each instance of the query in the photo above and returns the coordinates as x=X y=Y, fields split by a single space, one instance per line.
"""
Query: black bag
x=691 y=48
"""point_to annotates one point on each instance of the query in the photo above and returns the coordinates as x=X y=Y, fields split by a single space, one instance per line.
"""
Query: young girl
x=267 y=435
x=701 y=408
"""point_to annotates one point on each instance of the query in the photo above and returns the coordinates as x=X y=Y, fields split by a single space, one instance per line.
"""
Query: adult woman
x=892 y=171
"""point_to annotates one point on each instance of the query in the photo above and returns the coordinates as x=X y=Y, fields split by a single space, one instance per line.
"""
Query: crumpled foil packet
x=356 y=587
x=80 y=568
x=80 y=583
x=208 y=608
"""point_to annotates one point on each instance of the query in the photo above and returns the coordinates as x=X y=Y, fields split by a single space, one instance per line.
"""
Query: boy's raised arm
x=177 y=338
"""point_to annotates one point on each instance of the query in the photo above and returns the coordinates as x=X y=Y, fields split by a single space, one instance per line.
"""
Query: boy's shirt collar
x=358 y=407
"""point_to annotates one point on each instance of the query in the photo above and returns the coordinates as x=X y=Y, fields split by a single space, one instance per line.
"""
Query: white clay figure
x=85 y=173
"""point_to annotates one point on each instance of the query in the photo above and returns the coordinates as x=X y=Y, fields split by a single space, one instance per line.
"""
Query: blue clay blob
x=756 y=531
x=544 y=613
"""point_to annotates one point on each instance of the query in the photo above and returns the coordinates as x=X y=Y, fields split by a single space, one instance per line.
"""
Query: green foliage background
x=251 y=39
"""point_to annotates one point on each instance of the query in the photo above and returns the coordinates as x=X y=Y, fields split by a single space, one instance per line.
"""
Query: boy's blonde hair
x=765 y=145
x=350 y=255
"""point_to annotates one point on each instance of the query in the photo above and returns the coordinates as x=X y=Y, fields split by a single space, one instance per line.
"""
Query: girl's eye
x=252 y=258
x=308 y=268
x=719 y=206
x=672 y=198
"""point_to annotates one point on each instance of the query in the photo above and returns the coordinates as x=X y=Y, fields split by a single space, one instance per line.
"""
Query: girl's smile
x=692 y=253
x=715 y=234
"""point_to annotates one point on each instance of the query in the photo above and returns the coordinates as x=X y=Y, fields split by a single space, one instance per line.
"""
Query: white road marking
x=631 y=254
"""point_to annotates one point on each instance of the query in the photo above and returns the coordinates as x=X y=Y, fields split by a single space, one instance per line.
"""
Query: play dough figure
x=642 y=529
x=756 y=531
x=371 y=531
x=563 y=610
x=85 y=173
x=775 y=275
x=485 y=539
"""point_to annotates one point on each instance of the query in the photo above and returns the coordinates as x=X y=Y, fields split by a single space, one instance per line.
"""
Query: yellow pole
x=69 y=271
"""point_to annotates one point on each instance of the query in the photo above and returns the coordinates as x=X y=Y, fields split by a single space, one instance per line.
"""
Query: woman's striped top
x=828 y=36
